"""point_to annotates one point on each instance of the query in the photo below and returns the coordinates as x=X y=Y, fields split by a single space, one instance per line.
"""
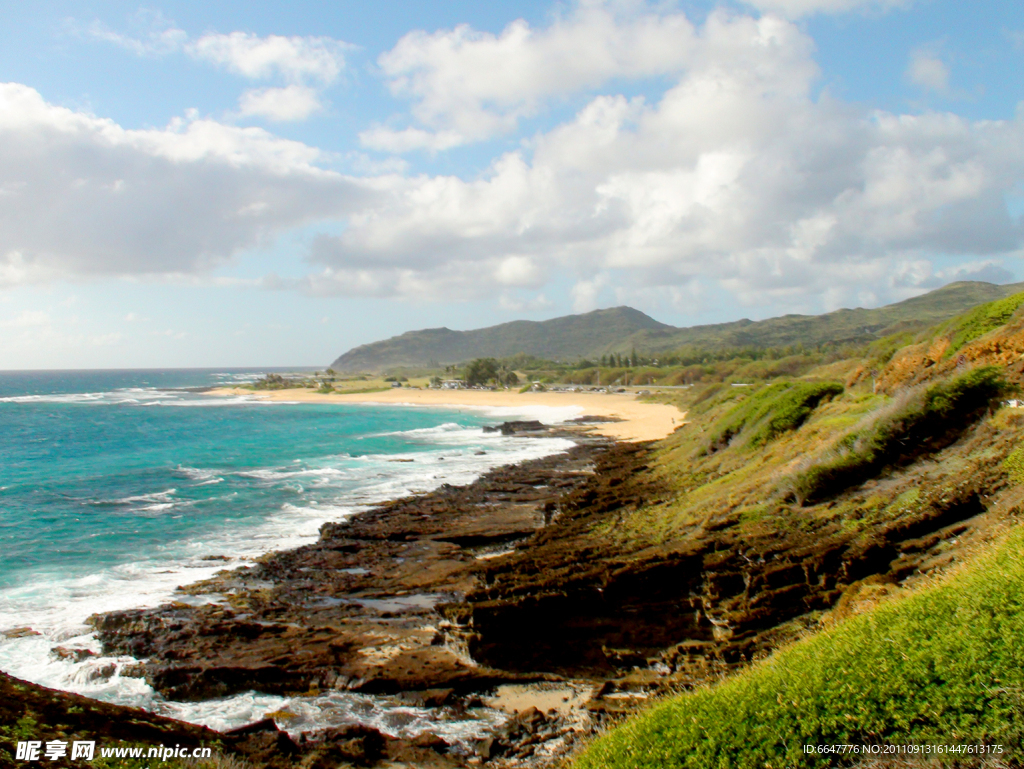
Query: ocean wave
x=57 y=604
x=281 y=474
x=204 y=476
x=139 y=396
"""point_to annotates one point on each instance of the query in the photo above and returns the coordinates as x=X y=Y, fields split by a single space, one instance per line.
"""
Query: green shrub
x=772 y=411
x=942 y=666
x=924 y=420
x=981 y=320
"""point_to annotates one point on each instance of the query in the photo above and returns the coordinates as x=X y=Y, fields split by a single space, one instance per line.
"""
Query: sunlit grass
x=943 y=665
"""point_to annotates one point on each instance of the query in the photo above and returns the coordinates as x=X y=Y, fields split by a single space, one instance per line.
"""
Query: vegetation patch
x=922 y=421
x=1014 y=465
x=945 y=665
x=981 y=320
x=772 y=411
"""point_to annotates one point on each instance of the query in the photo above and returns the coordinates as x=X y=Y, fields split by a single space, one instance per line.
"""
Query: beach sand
x=641 y=421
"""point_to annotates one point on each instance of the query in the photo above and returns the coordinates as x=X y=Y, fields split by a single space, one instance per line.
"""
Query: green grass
x=924 y=421
x=944 y=665
x=980 y=321
x=772 y=411
x=1014 y=465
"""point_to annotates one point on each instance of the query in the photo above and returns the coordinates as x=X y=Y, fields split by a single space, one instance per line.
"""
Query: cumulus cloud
x=299 y=61
x=294 y=58
x=293 y=102
x=928 y=71
x=84 y=196
x=466 y=85
x=738 y=174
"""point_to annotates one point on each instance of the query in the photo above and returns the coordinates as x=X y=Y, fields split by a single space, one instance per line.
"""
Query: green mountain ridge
x=621 y=329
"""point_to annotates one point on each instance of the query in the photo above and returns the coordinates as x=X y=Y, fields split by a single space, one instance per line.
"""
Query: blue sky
x=261 y=184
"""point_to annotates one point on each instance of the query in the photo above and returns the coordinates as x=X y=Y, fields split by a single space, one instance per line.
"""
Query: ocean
x=116 y=487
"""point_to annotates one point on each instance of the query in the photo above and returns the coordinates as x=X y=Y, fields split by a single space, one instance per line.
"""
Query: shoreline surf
x=60 y=618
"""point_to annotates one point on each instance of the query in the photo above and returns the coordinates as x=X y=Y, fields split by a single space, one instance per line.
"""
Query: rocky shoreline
x=504 y=621
x=367 y=610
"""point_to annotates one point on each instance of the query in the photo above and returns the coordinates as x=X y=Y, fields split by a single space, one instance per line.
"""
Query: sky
x=271 y=184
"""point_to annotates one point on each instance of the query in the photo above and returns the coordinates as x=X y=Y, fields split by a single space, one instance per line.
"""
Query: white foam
x=56 y=604
x=137 y=396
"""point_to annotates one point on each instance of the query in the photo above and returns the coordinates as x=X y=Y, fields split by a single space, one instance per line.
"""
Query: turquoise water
x=115 y=487
x=88 y=481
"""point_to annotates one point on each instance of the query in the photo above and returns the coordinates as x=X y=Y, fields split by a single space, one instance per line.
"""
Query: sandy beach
x=641 y=421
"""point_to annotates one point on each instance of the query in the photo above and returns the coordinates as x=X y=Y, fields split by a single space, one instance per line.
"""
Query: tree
x=481 y=371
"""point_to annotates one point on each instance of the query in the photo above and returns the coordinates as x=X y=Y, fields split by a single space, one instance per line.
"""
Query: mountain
x=621 y=329
x=566 y=337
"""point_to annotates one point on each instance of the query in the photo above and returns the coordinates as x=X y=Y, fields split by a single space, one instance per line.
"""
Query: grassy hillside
x=864 y=584
x=567 y=337
x=623 y=329
x=942 y=666
x=854 y=326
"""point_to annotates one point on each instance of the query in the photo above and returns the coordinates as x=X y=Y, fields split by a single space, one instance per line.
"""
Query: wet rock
x=430 y=741
x=521 y=426
x=102 y=672
x=133 y=671
x=429 y=698
x=315 y=617
x=256 y=727
x=354 y=743
x=20 y=632
x=488 y=748
x=71 y=654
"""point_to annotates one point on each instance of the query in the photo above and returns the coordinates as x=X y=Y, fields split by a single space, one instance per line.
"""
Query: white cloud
x=798 y=9
x=293 y=102
x=586 y=292
x=295 y=58
x=299 y=61
x=84 y=196
x=386 y=139
x=467 y=85
x=737 y=175
x=928 y=71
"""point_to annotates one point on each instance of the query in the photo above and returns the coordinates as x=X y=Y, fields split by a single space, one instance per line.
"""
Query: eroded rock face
x=356 y=610
x=713 y=598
